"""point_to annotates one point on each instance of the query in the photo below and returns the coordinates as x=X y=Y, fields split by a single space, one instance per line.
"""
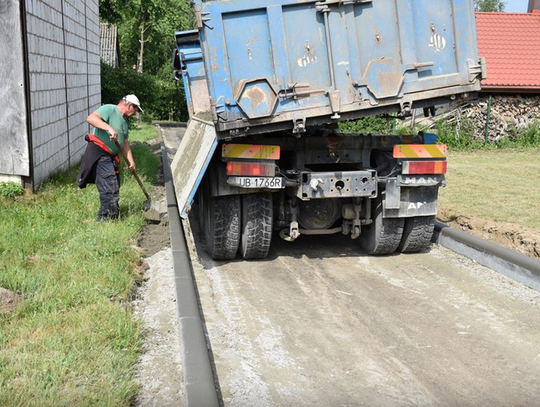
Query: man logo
x=420 y=181
x=416 y=205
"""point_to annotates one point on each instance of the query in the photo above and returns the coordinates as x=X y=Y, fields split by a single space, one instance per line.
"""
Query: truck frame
x=267 y=83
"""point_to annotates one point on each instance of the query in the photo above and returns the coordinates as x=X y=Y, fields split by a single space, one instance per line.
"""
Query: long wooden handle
x=133 y=172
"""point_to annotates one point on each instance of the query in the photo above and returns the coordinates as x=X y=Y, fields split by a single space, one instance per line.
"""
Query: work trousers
x=108 y=185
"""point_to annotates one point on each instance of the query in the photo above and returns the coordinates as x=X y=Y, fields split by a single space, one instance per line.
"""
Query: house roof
x=510 y=42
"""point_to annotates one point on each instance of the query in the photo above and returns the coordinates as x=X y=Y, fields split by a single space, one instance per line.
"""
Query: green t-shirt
x=111 y=115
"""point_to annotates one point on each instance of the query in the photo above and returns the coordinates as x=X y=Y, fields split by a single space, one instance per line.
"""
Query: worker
x=101 y=158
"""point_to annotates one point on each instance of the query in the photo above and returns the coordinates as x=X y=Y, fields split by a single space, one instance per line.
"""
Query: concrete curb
x=170 y=124
x=505 y=261
x=200 y=387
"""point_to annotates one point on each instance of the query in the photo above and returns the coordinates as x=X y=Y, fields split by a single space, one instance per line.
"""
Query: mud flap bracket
x=392 y=200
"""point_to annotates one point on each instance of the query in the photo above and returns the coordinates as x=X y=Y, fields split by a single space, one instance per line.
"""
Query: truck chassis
x=324 y=183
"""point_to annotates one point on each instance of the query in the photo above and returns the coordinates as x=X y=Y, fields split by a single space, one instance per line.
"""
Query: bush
x=530 y=136
x=162 y=98
x=10 y=190
x=457 y=138
x=118 y=82
x=172 y=102
x=367 y=125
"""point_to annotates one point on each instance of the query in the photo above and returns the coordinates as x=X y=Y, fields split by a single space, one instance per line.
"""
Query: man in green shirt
x=100 y=162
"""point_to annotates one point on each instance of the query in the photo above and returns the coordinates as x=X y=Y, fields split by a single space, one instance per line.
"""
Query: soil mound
x=519 y=238
x=9 y=301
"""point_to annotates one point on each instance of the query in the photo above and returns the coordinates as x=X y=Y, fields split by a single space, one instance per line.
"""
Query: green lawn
x=73 y=341
x=503 y=185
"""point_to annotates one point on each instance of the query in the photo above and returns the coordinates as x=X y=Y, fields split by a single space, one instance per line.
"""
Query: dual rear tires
x=383 y=235
x=243 y=223
x=236 y=223
x=387 y=235
x=417 y=234
x=257 y=219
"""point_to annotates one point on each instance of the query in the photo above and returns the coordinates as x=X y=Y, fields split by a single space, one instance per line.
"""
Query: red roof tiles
x=510 y=42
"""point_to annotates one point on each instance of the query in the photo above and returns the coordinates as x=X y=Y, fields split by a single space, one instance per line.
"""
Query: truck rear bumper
x=346 y=184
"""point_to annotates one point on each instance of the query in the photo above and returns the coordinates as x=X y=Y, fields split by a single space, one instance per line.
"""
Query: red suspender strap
x=103 y=146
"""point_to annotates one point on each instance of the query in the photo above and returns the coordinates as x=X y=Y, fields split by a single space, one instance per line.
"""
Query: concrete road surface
x=318 y=323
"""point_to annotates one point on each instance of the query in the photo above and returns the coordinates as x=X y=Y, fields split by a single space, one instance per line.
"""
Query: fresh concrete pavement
x=320 y=323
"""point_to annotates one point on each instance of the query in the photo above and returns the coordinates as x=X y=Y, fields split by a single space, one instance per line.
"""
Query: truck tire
x=417 y=234
x=383 y=235
x=221 y=225
x=257 y=216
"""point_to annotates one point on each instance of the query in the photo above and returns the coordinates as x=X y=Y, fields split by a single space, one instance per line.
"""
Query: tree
x=146 y=32
x=489 y=5
x=146 y=29
x=111 y=11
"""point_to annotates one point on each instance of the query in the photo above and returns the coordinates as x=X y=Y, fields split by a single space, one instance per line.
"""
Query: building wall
x=64 y=76
x=534 y=5
x=14 y=148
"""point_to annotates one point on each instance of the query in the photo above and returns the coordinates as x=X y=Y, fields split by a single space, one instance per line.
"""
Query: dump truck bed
x=287 y=64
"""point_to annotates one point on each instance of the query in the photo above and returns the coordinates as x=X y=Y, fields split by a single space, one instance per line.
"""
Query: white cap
x=133 y=100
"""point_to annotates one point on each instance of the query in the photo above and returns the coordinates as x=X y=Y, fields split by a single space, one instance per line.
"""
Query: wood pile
x=509 y=115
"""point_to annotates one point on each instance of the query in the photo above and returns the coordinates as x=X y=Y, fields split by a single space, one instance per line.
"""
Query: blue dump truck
x=268 y=81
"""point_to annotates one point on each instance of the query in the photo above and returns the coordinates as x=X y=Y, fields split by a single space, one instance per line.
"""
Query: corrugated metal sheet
x=109 y=45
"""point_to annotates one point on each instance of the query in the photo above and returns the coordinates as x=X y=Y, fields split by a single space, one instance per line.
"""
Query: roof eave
x=510 y=89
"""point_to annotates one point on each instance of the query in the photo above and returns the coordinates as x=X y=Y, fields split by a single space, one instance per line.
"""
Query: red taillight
x=247 y=169
x=424 y=167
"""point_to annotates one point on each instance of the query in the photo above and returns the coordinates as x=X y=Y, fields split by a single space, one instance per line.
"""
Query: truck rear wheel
x=257 y=216
x=221 y=225
x=417 y=234
x=383 y=235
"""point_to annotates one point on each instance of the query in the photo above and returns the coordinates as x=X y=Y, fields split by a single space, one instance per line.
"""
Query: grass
x=143 y=132
x=10 y=189
x=74 y=339
x=498 y=184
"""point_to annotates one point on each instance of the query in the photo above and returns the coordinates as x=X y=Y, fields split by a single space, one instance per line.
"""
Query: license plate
x=256 y=182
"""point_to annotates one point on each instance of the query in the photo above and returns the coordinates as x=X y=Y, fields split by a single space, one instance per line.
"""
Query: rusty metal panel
x=269 y=62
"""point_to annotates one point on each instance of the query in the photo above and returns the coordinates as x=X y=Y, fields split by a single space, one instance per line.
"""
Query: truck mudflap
x=191 y=161
x=406 y=202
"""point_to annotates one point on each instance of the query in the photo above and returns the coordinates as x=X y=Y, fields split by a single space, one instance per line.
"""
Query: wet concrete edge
x=498 y=258
x=199 y=383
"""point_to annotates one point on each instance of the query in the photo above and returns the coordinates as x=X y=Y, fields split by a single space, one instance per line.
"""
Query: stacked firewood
x=508 y=115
